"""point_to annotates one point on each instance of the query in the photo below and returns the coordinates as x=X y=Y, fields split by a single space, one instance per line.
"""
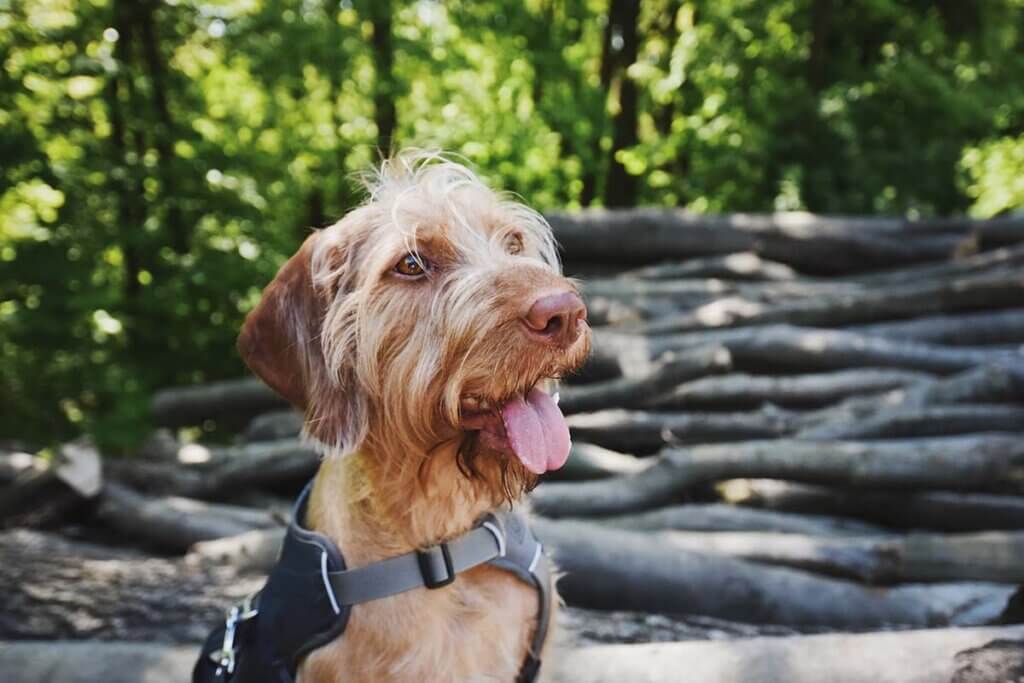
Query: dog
x=419 y=335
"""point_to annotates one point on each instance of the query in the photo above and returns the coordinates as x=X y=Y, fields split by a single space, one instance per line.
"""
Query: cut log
x=782 y=349
x=924 y=656
x=274 y=426
x=253 y=551
x=791 y=348
x=232 y=401
x=927 y=510
x=226 y=472
x=720 y=517
x=969 y=329
x=55 y=588
x=920 y=422
x=44 y=492
x=814 y=244
x=674 y=369
x=644 y=432
x=965 y=463
x=974 y=292
x=986 y=261
x=998 y=660
x=596 y=559
x=742 y=266
x=587 y=461
x=174 y=524
x=990 y=556
x=736 y=391
x=613 y=569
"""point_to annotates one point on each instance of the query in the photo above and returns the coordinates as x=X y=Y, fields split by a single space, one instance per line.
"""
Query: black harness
x=309 y=594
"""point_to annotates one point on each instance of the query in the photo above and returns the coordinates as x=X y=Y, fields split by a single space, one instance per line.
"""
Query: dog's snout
x=556 y=318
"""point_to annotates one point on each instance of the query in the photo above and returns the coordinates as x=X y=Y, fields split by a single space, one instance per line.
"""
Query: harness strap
x=434 y=567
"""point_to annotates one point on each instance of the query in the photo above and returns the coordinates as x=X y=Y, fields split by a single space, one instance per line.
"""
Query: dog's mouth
x=529 y=426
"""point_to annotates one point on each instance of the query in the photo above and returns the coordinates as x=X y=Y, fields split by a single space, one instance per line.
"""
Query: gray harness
x=307 y=598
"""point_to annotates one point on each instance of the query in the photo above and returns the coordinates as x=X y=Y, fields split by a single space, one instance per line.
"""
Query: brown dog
x=416 y=335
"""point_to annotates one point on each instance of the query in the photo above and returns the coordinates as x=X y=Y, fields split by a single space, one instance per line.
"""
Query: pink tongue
x=537 y=432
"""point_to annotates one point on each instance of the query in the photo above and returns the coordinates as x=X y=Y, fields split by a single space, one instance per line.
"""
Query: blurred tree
x=162 y=157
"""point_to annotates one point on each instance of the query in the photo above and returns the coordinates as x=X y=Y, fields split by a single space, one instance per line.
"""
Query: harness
x=308 y=596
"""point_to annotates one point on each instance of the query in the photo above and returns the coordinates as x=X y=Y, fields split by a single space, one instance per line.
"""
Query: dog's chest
x=477 y=630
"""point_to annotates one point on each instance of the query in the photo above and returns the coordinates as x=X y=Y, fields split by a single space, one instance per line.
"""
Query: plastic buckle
x=429 y=561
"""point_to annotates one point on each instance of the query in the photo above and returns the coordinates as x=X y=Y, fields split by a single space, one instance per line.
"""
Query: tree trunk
x=175 y=524
x=928 y=510
x=621 y=186
x=964 y=463
x=720 y=517
x=987 y=291
x=735 y=392
x=632 y=392
x=989 y=556
x=383 y=62
x=232 y=401
x=972 y=329
x=924 y=656
x=612 y=569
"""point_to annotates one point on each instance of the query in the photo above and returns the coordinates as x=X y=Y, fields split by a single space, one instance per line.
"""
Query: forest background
x=160 y=159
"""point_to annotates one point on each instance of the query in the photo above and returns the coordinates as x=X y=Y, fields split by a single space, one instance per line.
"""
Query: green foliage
x=161 y=158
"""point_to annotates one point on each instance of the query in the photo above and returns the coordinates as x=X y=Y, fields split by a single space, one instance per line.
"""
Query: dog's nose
x=555 y=318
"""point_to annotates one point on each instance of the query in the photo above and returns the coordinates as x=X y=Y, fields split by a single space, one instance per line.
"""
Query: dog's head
x=432 y=315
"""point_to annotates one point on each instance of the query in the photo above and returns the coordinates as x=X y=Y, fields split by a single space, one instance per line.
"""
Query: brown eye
x=410 y=266
x=514 y=244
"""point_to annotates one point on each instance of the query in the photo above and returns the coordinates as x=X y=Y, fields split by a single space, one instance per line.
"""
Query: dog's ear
x=279 y=339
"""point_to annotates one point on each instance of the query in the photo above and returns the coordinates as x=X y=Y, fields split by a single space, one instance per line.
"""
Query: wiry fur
x=379 y=364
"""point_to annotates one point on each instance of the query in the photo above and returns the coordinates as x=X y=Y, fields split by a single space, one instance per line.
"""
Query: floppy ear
x=279 y=339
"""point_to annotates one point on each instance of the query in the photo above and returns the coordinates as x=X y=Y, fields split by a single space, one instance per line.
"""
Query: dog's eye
x=411 y=266
x=514 y=244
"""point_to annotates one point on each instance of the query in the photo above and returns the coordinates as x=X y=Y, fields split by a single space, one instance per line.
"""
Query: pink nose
x=555 y=318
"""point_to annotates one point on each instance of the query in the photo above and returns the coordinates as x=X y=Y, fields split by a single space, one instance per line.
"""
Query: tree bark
x=721 y=517
x=919 y=422
x=233 y=401
x=612 y=569
x=964 y=463
x=633 y=392
x=737 y=391
x=927 y=510
x=744 y=265
x=809 y=243
x=587 y=461
x=174 y=524
x=229 y=471
x=986 y=291
x=646 y=432
x=621 y=186
x=781 y=349
x=383 y=63
x=972 y=329
x=924 y=656
x=57 y=588
x=989 y=556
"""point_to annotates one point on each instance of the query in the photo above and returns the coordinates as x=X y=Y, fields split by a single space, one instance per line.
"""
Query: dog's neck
x=374 y=506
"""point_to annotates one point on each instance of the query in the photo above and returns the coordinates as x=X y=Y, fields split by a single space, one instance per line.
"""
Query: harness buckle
x=433 y=561
x=224 y=658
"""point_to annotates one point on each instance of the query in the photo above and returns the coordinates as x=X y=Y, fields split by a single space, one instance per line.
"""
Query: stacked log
x=800 y=422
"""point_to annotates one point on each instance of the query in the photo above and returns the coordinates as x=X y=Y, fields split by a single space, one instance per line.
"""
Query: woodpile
x=802 y=423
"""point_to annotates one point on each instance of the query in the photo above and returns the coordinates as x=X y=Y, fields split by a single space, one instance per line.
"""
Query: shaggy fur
x=381 y=364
